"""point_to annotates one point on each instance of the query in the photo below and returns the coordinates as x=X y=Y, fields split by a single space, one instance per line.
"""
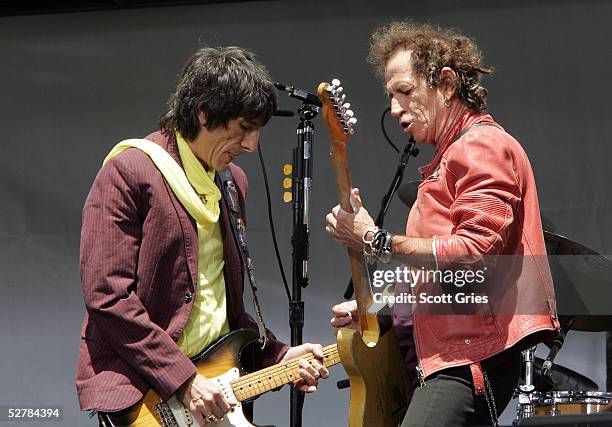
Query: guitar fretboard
x=267 y=379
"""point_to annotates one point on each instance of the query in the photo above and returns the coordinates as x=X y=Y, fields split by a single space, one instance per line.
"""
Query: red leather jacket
x=479 y=199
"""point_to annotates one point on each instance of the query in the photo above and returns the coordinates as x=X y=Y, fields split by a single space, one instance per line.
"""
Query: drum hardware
x=574 y=402
x=525 y=407
x=561 y=392
x=580 y=275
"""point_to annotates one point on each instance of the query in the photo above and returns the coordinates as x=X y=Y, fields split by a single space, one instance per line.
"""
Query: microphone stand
x=409 y=151
x=302 y=186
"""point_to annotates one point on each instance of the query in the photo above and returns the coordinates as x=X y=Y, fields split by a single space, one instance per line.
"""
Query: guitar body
x=379 y=382
x=219 y=362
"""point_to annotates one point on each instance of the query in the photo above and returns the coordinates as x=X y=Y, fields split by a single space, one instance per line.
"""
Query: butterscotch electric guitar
x=377 y=374
x=220 y=362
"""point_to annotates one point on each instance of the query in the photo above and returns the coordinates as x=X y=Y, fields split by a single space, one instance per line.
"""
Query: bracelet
x=379 y=247
x=368 y=249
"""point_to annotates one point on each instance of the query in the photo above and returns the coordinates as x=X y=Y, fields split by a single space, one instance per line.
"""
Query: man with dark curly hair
x=477 y=205
x=161 y=261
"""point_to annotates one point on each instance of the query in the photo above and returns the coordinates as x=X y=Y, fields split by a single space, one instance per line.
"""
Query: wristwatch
x=384 y=252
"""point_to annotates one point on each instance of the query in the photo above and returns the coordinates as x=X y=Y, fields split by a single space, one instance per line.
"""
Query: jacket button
x=467 y=341
x=188 y=297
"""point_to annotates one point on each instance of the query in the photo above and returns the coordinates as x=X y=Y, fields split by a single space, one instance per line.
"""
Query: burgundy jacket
x=479 y=199
x=139 y=252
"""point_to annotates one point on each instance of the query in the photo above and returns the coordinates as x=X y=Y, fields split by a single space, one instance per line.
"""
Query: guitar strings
x=329 y=351
x=263 y=382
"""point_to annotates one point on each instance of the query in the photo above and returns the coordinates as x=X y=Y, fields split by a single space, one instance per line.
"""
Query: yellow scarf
x=208 y=318
x=204 y=208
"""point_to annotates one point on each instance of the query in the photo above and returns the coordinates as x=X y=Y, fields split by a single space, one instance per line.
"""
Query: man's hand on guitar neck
x=345 y=316
x=348 y=228
x=309 y=371
x=204 y=399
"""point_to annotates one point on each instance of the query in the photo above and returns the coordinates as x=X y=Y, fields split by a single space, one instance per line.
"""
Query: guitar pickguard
x=181 y=417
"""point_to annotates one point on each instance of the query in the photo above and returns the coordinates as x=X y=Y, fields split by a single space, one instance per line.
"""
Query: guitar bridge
x=174 y=414
x=164 y=413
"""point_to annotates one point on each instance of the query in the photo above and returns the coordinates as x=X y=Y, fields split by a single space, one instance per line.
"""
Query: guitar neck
x=361 y=284
x=256 y=383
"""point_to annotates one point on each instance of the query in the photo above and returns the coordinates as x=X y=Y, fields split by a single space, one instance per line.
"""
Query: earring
x=447 y=103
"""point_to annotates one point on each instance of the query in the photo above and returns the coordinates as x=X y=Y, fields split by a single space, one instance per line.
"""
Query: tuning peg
x=345 y=107
x=352 y=121
x=336 y=82
x=349 y=130
x=348 y=114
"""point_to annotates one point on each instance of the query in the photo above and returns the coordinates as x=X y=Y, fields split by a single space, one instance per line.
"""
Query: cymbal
x=561 y=379
x=583 y=284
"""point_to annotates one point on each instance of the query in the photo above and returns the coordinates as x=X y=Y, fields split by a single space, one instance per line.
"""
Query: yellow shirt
x=196 y=190
x=208 y=319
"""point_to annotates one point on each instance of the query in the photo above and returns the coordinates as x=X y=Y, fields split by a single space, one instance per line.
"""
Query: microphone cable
x=271 y=221
x=384 y=131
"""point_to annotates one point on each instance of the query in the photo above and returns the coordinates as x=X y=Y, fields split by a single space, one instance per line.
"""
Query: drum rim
x=574 y=396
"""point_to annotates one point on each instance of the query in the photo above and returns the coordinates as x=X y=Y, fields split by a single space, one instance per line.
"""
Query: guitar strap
x=230 y=196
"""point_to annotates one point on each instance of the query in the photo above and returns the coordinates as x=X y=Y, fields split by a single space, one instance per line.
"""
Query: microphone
x=554 y=346
x=283 y=113
x=300 y=94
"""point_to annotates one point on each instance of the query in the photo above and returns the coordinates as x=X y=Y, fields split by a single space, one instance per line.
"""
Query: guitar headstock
x=337 y=114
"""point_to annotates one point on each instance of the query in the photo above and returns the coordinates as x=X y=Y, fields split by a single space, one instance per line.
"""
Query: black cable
x=280 y=262
x=384 y=131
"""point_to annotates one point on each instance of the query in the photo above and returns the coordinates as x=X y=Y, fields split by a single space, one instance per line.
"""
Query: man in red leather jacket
x=477 y=206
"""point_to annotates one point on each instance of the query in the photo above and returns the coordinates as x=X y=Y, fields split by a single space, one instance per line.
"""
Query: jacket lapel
x=188 y=224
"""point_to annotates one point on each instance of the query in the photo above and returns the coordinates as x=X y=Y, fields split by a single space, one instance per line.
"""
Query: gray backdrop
x=72 y=85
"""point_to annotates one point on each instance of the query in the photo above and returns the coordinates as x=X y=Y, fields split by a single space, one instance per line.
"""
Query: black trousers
x=448 y=398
